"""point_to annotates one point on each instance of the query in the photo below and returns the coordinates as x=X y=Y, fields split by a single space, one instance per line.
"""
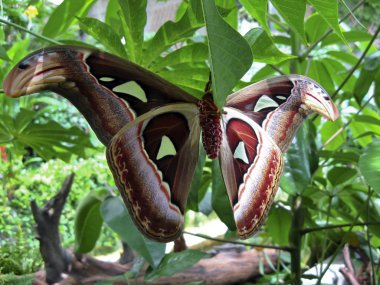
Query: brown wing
x=153 y=160
x=280 y=104
x=252 y=165
x=107 y=90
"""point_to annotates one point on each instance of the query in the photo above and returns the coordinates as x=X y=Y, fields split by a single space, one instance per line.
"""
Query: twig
x=314 y=45
x=338 y=132
x=357 y=63
x=286 y=248
x=341 y=244
x=29 y=32
x=329 y=227
x=371 y=261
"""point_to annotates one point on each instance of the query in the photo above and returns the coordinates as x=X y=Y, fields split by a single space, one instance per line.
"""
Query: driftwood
x=63 y=267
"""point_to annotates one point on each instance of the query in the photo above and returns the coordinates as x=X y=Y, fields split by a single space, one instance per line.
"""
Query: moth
x=152 y=131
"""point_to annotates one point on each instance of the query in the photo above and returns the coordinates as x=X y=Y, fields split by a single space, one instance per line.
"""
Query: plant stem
x=357 y=63
x=286 y=248
x=29 y=32
x=330 y=227
x=295 y=45
x=295 y=238
x=314 y=45
x=343 y=240
x=332 y=137
x=374 y=280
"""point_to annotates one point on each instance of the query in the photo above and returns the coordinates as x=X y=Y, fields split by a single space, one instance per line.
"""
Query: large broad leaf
x=176 y=262
x=278 y=225
x=258 y=10
x=169 y=34
x=230 y=54
x=104 y=34
x=220 y=202
x=300 y=162
x=133 y=19
x=293 y=12
x=88 y=223
x=263 y=47
x=329 y=11
x=48 y=139
x=116 y=216
x=369 y=165
x=65 y=15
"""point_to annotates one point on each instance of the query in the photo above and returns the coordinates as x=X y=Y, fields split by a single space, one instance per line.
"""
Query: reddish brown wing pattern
x=155 y=184
x=252 y=165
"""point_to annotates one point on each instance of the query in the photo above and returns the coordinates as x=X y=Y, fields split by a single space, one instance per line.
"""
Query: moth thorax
x=209 y=118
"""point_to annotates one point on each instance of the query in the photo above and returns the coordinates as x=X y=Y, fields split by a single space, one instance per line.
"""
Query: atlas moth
x=153 y=132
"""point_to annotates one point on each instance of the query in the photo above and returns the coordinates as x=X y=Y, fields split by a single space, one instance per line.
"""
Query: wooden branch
x=47 y=226
x=226 y=267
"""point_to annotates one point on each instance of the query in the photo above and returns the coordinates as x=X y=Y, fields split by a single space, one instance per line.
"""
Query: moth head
x=315 y=98
x=39 y=71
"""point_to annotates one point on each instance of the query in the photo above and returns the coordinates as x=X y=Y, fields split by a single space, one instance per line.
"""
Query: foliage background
x=332 y=169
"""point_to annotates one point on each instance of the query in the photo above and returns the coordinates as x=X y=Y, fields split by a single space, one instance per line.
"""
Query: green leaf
x=278 y=225
x=134 y=20
x=319 y=72
x=169 y=34
x=293 y=12
x=369 y=165
x=190 y=54
x=315 y=28
x=367 y=76
x=343 y=56
x=176 y=262
x=350 y=36
x=191 y=79
x=220 y=201
x=230 y=54
x=300 y=162
x=104 y=34
x=339 y=175
x=263 y=47
x=48 y=139
x=258 y=10
x=329 y=11
x=3 y=54
x=65 y=15
x=116 y=216
x=88 y=223
x=328 y=130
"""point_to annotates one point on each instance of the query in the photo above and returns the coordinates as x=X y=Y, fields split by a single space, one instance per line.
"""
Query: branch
x=357 y=63
x=286 y=248
x=47 y=220
x=329 y=227
x=314 y=45
x=346 y=124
